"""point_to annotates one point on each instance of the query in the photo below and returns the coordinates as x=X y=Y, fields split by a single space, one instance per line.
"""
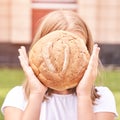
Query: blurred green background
x=12 y=77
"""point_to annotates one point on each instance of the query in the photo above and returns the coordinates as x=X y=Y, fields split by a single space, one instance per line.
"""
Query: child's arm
x=85 y=110
x=37 y=91
x=85 y=107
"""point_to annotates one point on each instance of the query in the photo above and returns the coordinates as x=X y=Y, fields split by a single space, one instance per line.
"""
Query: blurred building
x=18 y=22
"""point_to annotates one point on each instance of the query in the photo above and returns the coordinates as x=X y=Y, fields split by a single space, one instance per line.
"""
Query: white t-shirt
x=61 y=107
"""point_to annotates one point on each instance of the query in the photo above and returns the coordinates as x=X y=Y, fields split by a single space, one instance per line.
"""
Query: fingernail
x=19 y=50
x=96 y=45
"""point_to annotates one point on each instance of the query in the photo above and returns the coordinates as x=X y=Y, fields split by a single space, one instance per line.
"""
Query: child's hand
x=36 y=87
x=85 y=86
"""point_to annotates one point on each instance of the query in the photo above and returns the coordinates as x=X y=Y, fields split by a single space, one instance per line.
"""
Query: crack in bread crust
x=59 y=59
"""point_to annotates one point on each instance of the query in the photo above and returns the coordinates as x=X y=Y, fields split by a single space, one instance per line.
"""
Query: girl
x=85 y=102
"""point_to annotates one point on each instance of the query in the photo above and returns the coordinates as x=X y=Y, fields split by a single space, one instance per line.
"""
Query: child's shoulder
x=16 y=90
x=102 y=90
x=106 y=102
x=105 y=93
x=14 y=98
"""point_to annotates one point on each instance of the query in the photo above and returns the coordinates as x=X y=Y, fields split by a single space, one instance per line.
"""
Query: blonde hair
x=64 y=20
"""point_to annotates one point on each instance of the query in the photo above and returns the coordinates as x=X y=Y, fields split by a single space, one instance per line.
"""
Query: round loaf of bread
x=59 y=60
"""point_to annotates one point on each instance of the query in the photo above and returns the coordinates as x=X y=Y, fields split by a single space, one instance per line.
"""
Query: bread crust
x=59 y=59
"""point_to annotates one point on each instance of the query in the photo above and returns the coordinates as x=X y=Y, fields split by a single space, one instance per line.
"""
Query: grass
x=12 y=77
x=111 y=79
x=8 y=79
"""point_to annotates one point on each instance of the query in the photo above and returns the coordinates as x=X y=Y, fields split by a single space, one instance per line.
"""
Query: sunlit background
x=18 y=23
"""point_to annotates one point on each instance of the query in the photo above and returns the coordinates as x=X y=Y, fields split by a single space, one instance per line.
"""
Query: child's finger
x=23 y=49
x=92 y=66
x=26 y=68
x=23 y=63
x=94 y=57
x=22 y=53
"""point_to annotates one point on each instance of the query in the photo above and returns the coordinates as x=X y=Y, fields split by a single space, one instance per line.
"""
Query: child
x=84 y=102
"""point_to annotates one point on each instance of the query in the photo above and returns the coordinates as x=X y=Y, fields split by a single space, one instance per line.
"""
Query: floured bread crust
x=59 y=59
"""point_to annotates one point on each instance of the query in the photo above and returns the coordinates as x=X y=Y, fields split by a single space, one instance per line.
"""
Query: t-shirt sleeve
x=14 y=98
x=106 y=102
